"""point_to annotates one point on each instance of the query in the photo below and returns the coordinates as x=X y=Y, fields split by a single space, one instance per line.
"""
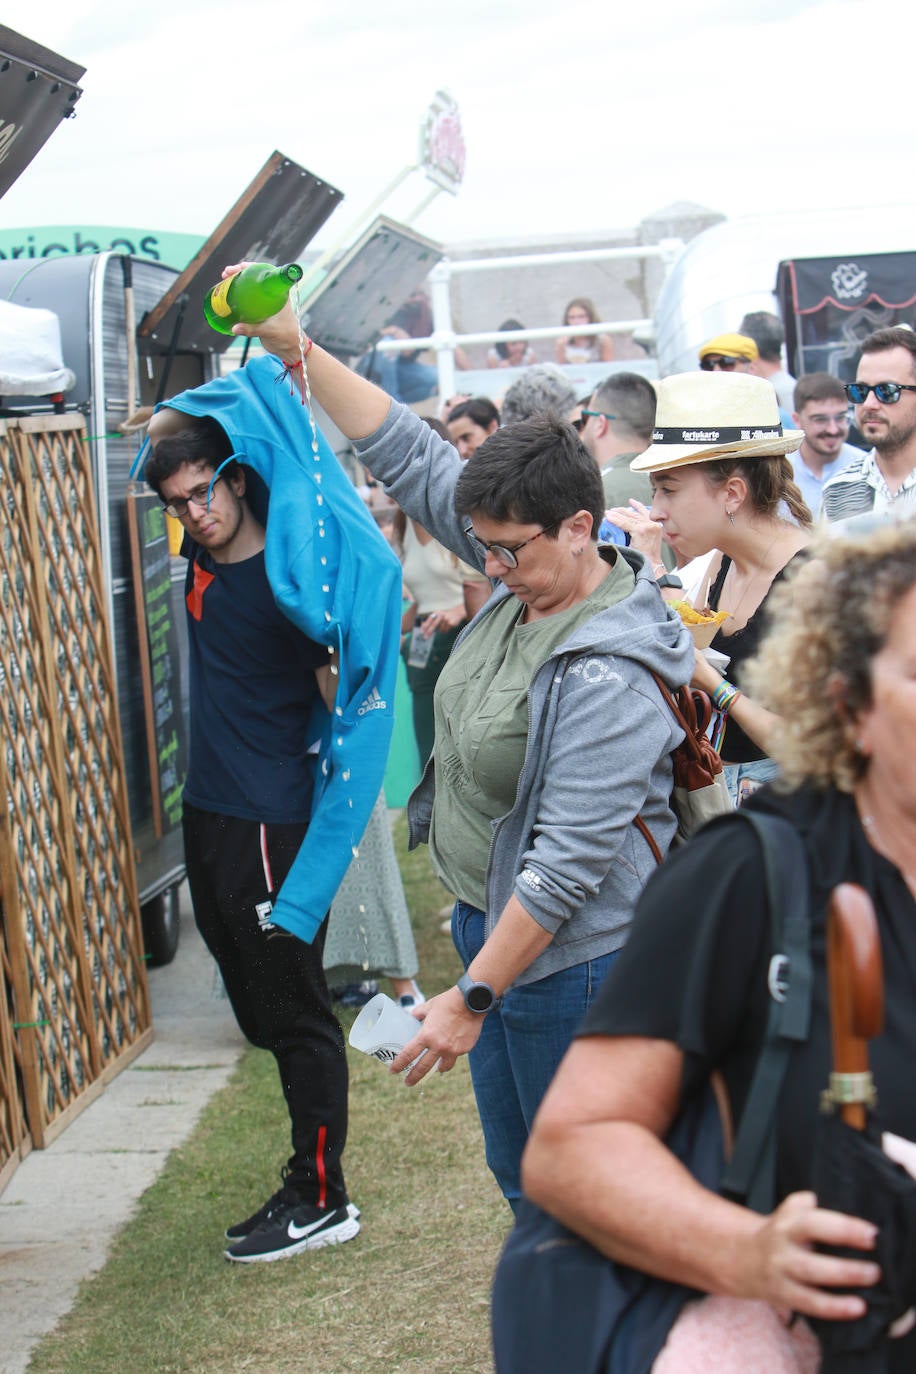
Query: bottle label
x=219 y=298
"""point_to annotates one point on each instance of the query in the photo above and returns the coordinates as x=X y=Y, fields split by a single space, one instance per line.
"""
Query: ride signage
x=442 y=150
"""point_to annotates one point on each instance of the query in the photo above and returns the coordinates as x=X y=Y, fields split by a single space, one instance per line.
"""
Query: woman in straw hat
x=721 y=480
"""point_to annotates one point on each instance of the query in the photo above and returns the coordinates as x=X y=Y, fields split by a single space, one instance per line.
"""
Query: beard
x=891 y=436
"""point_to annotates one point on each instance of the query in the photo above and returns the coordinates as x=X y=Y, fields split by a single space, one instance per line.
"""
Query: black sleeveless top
x=737 y=747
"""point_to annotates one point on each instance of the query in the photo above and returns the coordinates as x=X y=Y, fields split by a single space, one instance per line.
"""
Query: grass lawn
x=411 y=1293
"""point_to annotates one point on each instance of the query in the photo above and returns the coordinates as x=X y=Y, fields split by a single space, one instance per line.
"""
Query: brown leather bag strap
x=683 y=707
x=649 y=838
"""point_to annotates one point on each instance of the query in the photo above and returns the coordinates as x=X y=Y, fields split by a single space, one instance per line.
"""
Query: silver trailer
x=99 y=300
x=732 y=268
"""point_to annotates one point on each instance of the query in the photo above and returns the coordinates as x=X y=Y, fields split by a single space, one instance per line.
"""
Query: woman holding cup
x=721 y=480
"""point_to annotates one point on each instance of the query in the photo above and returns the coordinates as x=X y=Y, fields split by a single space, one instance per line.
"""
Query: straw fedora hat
x=706 y=415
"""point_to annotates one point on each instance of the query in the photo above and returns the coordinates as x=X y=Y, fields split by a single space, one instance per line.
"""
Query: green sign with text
x=63 y=240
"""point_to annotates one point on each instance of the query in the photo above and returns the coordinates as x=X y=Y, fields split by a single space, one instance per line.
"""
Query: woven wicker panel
x=70 y=900
x=14 y=1136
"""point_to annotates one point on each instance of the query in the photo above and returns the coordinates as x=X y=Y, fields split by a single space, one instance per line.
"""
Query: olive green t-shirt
x=481 y=710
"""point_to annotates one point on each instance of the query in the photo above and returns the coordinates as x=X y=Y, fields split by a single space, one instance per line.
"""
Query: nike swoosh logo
x=297 y=1232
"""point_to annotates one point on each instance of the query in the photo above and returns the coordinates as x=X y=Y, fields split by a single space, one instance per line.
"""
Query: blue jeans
x=520 y=1046
x=743 y=779
x=403 y=378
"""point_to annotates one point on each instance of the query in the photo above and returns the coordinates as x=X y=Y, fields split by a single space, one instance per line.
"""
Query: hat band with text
x=728 y=435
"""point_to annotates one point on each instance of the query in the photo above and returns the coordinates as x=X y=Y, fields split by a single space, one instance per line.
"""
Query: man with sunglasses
x=616 y=425
x=882 y=481
x=728 y=353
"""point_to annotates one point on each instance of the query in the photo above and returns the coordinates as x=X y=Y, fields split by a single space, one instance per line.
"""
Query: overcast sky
x=577 y=116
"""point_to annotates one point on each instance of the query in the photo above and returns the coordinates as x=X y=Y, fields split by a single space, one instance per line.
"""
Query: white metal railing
x=443 y=340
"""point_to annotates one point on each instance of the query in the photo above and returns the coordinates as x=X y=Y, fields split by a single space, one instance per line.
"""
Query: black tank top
x=737 y=747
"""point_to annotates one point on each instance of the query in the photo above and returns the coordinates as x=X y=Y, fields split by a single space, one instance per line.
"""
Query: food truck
x=132 y=334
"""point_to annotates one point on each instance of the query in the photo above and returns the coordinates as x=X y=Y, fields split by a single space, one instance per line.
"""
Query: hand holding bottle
x=249 y=293
x=279 y=334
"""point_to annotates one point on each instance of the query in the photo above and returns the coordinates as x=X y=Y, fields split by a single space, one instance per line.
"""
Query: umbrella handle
x=856 y=982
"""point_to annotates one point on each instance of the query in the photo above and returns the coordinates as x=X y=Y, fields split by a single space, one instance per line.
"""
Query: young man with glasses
x=255 y=683
x=884 y=394
x=822 y=411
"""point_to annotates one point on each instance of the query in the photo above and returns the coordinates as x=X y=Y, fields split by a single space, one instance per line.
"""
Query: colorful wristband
x=724 y=696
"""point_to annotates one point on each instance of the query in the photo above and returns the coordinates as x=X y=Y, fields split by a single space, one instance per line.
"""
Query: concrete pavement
x=63 y=1205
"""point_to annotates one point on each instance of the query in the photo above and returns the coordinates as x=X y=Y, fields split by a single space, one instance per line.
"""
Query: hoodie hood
x=642 y=626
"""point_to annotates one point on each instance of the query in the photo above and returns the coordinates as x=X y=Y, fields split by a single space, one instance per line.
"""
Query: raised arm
x=356 y=406
x=418 y=468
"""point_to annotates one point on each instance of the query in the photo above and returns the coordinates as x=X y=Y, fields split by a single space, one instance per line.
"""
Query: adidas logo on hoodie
x=373 y=702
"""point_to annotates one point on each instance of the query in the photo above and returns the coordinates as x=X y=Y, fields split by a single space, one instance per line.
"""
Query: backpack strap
x=751 y=1172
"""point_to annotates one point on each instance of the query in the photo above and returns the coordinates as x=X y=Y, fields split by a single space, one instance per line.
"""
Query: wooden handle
x=856 y=996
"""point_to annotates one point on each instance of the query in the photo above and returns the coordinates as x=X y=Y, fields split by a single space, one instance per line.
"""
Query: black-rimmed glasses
x=199 y=497
x=506 y=553
x=888 y=393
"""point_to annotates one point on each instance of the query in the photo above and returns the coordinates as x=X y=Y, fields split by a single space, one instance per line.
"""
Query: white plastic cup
x=382 y=1029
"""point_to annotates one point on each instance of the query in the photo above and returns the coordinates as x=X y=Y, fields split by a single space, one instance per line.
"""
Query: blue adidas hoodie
x=334 y=575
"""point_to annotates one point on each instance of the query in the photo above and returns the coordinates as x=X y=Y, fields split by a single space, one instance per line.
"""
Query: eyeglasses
x=841 y=420
x=888 y=393
x=199 y=497
x=723 y=364
x=597 y=414
x=506 y=553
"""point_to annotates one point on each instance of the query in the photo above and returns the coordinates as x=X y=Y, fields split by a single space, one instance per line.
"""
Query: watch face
x=479 y=997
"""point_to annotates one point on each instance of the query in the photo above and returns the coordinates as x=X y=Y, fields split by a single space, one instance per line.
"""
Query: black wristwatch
x=478 y=997
x=670 y=580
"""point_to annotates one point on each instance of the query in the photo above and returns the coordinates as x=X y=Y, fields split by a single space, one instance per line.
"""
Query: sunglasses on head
x=888 y=393
x=725 y=364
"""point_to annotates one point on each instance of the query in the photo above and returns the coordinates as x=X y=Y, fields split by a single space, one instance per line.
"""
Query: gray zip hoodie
x=599 y=740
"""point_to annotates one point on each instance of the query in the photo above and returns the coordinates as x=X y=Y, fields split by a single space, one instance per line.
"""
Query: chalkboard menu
x=159 y=656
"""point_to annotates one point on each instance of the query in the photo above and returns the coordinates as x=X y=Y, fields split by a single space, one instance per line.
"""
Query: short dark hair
x=535 y=472
x=817 y=386
x=479 y=409
x=899 y=336
x=631 y=398
x=502 y=348
x=766 y=330
x=202 y=441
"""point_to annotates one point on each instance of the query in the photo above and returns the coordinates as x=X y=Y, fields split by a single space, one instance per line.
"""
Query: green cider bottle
x=252 y=295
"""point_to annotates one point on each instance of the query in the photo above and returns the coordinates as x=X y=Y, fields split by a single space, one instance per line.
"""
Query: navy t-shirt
x=252 y=694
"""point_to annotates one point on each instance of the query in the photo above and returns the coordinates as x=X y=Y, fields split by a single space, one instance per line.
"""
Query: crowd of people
x=541 y=543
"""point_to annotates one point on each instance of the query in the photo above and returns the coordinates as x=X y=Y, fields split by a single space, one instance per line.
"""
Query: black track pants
x=275 y=982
